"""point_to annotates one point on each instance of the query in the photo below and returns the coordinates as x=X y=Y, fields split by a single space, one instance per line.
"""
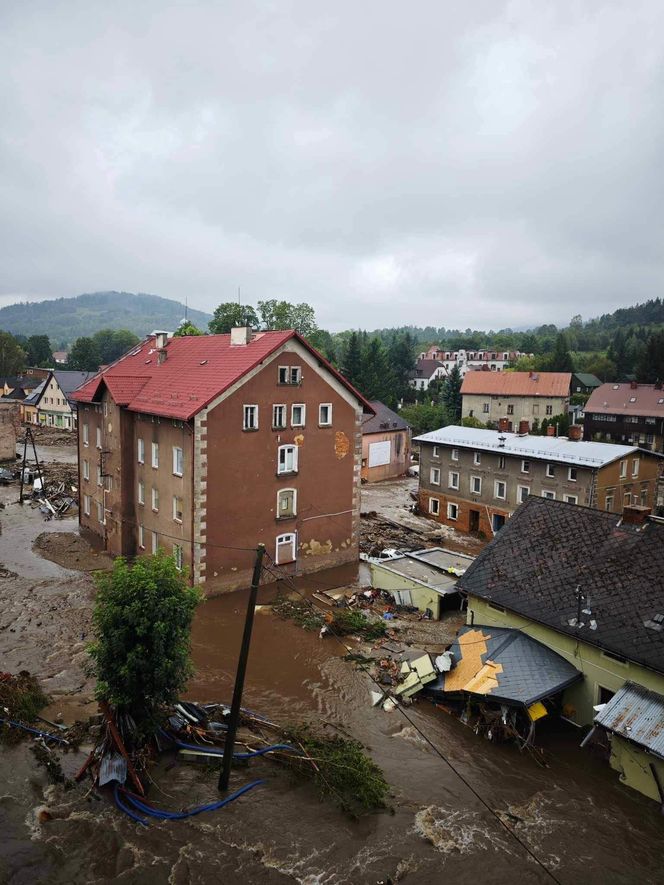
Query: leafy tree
x=12 y=356
x=111 y=344
x=617 y=353
x=186 y=329
x=324 y=343
x=284 y=315
x=231 y=315
x=423 y=417
x=38 y=349
x=561 y=359
x=451 y=395
x=650 y=367
x=401 y=355
x=84 y=355
x=141 y=651
x=472 y=421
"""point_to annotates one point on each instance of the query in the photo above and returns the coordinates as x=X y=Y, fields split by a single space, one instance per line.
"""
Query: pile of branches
x=21 y=700
x=340 y=621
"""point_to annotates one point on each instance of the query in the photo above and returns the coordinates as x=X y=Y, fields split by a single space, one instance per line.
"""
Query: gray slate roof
x=384 y=416
x=529 y=670
x=548 y=548
x=637 y=714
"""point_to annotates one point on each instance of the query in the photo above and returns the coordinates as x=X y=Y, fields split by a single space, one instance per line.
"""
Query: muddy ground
x=71 y=551
x=50 y=436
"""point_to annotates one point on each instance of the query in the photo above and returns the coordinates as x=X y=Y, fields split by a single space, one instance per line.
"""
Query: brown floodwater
x=574 y=815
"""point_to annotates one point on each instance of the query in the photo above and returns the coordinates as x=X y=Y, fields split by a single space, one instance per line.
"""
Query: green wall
x=423 y=597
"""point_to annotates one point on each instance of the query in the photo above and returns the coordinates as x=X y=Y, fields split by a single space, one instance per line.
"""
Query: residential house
x=425 y=579
x=385 y=444
x=517 y=396
x=29 y=404
x=55 y=405
x=207 y=446
x=474 y=479
x=60 y=357
x=425 y=372
x=17 y=388
x=584 y=383
x=588 y=584
x=626 y=413
x=472 y=360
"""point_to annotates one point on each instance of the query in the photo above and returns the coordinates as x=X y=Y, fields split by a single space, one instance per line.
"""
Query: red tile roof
x=196 y=370
x=616 y=399
x=517 y=383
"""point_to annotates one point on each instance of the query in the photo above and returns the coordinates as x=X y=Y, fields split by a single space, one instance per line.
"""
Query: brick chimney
x=574 y=433
x=240 y=336
x=503 y=425
x=635 y=514
x=634 y=384
x=658 y=385
x=160 y=339
x=550 y=430
x=524 y=427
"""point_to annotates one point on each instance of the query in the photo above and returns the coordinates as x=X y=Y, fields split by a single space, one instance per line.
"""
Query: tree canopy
x=12 y=355
x=84 y=355
x=231 y=315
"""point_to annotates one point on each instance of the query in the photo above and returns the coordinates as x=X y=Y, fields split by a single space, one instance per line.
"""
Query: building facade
x=473 y=360
x=385 y=444
x=207 y=446
x=473 y=479
x=517 y=396
x=52 y=403
x=626 y=413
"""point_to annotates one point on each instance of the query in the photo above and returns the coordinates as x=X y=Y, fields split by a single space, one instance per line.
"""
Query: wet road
x=574 y=815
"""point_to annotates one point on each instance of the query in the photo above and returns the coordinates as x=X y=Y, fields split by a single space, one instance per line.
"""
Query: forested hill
x=65 y=319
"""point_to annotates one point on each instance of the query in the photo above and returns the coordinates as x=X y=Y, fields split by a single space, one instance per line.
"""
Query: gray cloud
x=484 y=164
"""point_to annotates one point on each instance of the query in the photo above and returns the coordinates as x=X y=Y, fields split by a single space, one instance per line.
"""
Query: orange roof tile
x=517 y=383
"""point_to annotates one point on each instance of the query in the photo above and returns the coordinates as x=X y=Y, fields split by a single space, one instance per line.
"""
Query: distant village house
x=385 y=444
x=518 y=396
x=626 y=413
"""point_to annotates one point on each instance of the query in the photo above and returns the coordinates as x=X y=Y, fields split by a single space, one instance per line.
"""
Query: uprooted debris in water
x=338 y=621
x=21 y=700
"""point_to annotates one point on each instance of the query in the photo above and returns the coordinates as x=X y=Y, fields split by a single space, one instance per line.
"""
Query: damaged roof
x=549 y=548
x=636 y=714
x=191 y=372
x=505 y=665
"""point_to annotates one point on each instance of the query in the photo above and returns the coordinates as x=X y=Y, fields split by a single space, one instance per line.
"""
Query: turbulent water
x=574 y=815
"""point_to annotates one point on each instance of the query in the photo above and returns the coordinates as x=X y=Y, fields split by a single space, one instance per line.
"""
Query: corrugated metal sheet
x=637 y=714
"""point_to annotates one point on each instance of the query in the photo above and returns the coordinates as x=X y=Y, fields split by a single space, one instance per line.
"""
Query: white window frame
x=485 y=408
x=86 y=505
x=452 y=507
x=519 y=490
x=434 y=506
x=453 y=484
x=86 y=469
x=434 y=476
x=98 y=436
x=154 y=499
x=141 y=536
x=435 y=452
x=279 y=425
x=176 y=458
x=477 y=458
x=455 y=454
x=295 y=375
x=572 y=477
x=623 y=469
x=295 y=457
x=100 y=478
x=280 y=492
x=288 y=538
x=285 y=372
x=475 y=480
x=500 y=482
x=178 y=556
x=303 y=415
x=154 y=542
x=140 y=450
x=155 y=455
x=140 y=493
x=501 y=462
x=250 y=417
x=86 y=434
x=548 y=494
x=551 y=471
x=177 y=518
x=571 y=499
x=327 y=423
x=524 y=462
x=635 y=467
x=101 y=516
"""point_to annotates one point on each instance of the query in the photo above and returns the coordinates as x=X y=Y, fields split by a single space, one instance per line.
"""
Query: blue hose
x=160 y=814
x=44 y=734
x=216 y=751
x=125 y=809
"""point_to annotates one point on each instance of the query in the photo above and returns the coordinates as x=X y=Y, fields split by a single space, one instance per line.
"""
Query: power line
x=288 y=580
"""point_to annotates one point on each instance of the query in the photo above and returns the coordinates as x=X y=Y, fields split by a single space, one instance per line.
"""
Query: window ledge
x=177 y=474
x=298 y=426
x=287 y=473
x=286 y=518
x=179 y=521
x=249 y=429
x=277 y=429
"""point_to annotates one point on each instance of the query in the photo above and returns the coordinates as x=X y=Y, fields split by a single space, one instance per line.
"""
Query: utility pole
x=29 y=438
x=229 y=745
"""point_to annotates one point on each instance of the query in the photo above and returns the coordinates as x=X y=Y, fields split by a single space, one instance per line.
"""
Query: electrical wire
x=423 y=735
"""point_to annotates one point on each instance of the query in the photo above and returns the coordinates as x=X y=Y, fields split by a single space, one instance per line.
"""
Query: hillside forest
x=624 y=345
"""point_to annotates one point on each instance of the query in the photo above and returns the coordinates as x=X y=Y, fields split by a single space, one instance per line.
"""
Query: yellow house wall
x=633 y=765
x=423 y=597
x=598 y=669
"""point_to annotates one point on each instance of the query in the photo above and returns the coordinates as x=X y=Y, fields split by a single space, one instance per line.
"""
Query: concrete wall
x=633 y=765
x=399 y=455
x=523 y=407
x=423 y=597
x=600 y=670
x=9 y=421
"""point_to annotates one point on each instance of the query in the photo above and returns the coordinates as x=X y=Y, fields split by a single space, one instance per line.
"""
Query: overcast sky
x=479 y=163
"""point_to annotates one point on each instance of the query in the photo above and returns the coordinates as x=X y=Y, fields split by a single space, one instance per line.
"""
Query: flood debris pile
x=339 y=621
x=21 y=700
x=378 y=532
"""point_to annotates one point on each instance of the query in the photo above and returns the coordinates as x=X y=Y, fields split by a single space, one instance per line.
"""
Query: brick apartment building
x=473 y=479
x=626 y=413
x=202 y=445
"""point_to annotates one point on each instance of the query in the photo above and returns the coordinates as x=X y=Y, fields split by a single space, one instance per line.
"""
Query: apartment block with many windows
x=473 y=479
x=206 y=446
